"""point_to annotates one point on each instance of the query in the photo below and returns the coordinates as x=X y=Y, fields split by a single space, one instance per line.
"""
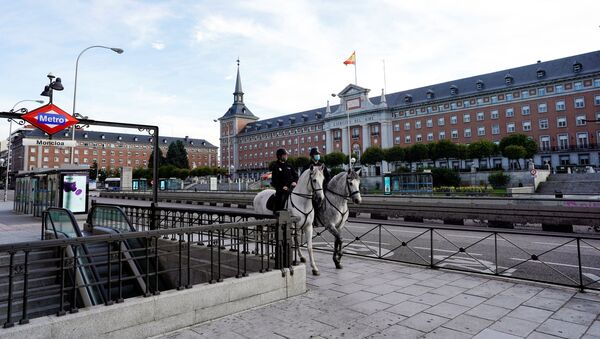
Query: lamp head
x=333 y=95
x=57 y=85
x=118 y=50
x=50 y=76
x=39 y=101
x=46 y=92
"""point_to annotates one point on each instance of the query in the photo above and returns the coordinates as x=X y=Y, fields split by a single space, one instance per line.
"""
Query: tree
x=515 y=152
x=462 y=153
x=335 y=159
x=482 y=149
x=372 y=155
x=416 y=153
x=177 y=155
x=93 y=171
x=432 y=152
x=445 y=177
x=394 y=154
x=161 y=159
x=446 y=149
x=167 y=171
x=300 y=162
x=523 y=140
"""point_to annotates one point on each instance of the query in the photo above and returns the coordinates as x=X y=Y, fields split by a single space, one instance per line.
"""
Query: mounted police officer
x=315 y=160
x=283 y=178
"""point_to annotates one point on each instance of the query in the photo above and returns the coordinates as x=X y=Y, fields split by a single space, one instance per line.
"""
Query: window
x=453 y=90
x=441 y=122
x=559 y=88
x=375 y=130
x=509 y=96
x=579 y=103
x=542 y=108
x=526 y=126
x=494 y=99
x=33 y=159
x=543 y=123
x=479 y=85
x=396 y=140
x=480 y=131
x=442 y=135
x=407 y=126
x=466 y=117
x=494 y=114
x=466 y=103
x=510 y=127
x=563 y=141
x=541 y=91
x=454 y=134
x=453 y=120
x=525 y=110
x=355 y=133
x=524 y=94
x=545 y=143
x=467 y=133
x=495 y=129
x=578 y=85
x=429 y=123
x=407 y=139
x=560 y=105
x=596 y=82
x=480 y=116
x=418 y=124
x=561 y=122
x=582 y=140
x=396 y=127
x=419 y=138
x=510 y=112
x=429 y=136
x=580 y=120
x=597 y=100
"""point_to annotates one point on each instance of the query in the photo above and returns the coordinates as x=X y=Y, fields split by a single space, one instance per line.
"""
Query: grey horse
x=333 y=213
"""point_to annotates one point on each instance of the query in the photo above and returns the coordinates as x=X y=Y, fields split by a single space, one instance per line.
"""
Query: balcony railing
x=569 y=148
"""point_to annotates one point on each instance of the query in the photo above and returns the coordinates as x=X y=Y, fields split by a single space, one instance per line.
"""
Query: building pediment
x=354 y=99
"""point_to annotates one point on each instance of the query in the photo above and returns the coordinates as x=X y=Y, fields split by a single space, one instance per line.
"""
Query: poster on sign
x=74 y=193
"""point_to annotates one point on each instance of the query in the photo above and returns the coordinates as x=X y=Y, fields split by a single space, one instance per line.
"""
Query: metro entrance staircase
x=575 y=183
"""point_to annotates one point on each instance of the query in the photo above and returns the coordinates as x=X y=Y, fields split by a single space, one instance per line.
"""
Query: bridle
x=306 y=196
x=349 y=194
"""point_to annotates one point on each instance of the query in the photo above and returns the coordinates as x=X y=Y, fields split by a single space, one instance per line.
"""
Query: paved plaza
x=379 y=299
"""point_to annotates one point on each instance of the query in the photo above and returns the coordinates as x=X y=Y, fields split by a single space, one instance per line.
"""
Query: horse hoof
x=316 y=272
x=302 y=259
x=339 y=266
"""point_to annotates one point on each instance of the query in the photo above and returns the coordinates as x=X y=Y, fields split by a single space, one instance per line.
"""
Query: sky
x=179 y=65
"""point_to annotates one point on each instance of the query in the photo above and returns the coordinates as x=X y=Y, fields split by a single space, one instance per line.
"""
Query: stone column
x=366 y=137
x=328 y=141
x=345 y=140
x=386 y=141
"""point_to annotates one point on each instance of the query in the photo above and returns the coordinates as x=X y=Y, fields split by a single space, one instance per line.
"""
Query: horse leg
x=311 y=257
x=298 y=243
x=339 y=251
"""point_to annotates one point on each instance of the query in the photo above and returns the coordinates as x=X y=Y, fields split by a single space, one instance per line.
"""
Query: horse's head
x=353 y=185
x=316 y=183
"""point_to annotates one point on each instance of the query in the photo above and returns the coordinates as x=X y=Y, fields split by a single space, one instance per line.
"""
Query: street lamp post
x=8 y=155
x=114 y=49
x=349 y=136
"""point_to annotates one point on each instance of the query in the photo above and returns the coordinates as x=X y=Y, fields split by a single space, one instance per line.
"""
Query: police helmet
x=281 y=152
x=314 y=151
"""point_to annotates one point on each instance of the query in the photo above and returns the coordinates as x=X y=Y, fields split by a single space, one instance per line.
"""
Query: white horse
x=308 y=188
x=333 y=213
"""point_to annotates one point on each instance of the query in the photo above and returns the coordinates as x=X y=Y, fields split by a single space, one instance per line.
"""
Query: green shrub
x=335 y=171
x=445 y=177
x=498 y=179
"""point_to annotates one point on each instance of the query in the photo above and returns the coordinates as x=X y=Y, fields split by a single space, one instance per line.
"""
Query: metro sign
x=50 y=119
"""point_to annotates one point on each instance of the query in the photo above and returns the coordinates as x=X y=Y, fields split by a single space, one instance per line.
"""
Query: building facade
x=556 y=103
x=109 y=150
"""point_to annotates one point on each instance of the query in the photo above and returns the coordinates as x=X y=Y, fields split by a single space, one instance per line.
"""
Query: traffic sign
x=50 y=119
x=533 y=171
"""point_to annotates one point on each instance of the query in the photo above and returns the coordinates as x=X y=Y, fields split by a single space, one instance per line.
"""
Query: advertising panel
x=74 y=193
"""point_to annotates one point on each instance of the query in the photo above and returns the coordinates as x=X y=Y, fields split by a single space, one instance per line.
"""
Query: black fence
x=109 y=261
x=561 y=259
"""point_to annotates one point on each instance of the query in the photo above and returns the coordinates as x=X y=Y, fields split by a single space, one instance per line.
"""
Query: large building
x=556 y=103
x=109 y=150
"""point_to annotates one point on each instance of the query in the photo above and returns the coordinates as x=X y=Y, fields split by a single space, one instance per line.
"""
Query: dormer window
x=577 y=67
x=135 y=138
x=103 y=137
x=304 y=117
x=479 y=85
x=453 y=90
x=540 y=73
x=292 y=120
x=120 y=137
x=408 y=98
x=430 y=94
x=164 y=141
x=279 y=122
x=66 y=134
x=318 y=115
x=85 y=135
x=191 y=142
x=508 y=80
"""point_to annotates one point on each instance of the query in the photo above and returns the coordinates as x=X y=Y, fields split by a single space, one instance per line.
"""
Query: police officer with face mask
x=315 y=160
x=283 y=178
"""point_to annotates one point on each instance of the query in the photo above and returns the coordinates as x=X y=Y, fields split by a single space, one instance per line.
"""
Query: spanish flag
x=351 y=60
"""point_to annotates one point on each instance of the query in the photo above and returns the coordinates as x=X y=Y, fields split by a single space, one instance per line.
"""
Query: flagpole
x=384 y=82
x=355 y=78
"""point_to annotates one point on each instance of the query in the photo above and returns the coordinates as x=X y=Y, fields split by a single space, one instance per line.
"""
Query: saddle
x=271 y=203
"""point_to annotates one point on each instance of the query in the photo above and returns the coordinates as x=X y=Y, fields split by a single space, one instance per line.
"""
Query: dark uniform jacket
x=283 y=174
x=326 y=172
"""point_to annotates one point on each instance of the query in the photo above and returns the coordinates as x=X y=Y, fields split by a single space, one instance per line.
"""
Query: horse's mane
x=338 y=177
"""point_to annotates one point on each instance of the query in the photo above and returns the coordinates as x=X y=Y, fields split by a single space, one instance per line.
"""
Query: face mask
x=317 y=157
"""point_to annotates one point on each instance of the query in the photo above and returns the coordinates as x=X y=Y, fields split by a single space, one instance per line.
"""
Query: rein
x=305 y=196
x=345 y=196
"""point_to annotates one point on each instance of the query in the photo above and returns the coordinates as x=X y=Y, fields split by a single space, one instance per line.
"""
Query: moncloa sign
x=46 y=142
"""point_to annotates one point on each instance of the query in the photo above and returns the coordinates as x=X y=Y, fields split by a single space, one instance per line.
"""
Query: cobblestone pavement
x=377 y=299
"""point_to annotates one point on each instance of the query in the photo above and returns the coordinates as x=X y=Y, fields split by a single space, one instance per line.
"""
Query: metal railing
x=40 y=278
x=554 y=258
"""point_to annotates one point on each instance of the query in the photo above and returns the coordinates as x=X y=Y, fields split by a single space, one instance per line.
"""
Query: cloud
x=158 y=45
